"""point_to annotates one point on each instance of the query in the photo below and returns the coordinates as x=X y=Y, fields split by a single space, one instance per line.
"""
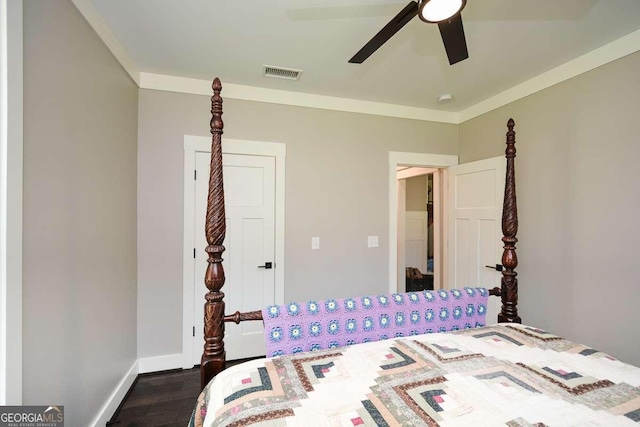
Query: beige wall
x=336 y=188
x=80 y=121
x=577 y=175
x=417 y=193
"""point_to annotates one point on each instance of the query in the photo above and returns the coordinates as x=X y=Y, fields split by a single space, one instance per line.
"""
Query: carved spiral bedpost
x=213 y=356
x=509 y=289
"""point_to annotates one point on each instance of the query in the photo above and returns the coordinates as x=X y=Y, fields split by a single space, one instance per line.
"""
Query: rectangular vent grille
x=281 y=73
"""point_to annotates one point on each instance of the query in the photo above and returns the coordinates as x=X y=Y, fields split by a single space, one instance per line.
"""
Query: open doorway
x=471 y=201
x=406 y=165
x=420 y=228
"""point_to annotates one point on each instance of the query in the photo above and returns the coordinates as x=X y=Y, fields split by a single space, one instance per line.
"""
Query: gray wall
x=80 y=129
x=336 y=188
x=416 y=199
x=578 y=199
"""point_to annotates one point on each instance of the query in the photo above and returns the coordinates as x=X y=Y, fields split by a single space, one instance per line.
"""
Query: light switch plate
x=372 y=241
x=315 y=243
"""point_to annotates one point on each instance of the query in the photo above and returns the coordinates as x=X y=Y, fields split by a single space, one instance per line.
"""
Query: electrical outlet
x=372 y=241
x=315 y=243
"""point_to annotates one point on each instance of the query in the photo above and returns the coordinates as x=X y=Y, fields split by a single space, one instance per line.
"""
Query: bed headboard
x=213 y=356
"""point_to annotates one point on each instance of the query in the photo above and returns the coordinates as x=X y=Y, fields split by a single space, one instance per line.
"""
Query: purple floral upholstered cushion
x=316 y=325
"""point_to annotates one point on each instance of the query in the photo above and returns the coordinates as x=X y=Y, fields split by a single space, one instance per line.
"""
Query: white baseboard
x=112 y=403
x=160 y=363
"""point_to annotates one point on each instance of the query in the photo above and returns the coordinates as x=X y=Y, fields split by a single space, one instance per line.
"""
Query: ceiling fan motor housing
x=436 y=11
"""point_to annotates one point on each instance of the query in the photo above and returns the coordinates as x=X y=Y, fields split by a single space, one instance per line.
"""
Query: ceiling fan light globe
x=434 y=11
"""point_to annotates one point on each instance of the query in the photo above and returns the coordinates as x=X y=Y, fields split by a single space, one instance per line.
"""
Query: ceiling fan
x=445 y=13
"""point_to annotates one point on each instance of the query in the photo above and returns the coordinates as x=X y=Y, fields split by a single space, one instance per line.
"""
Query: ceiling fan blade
x=452 y=33
x=399 y=21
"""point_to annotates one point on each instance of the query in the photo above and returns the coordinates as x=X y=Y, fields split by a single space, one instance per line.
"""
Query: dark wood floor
x=161 y=399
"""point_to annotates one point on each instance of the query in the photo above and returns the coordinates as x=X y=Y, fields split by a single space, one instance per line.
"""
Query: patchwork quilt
x=501 y=375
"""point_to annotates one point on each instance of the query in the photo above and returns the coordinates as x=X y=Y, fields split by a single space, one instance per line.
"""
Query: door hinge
x=194 y=253
x=195 y=174
x=194 y=331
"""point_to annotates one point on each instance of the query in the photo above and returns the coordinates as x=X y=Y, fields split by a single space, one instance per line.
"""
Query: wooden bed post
x=509 y=290
x=213 y=357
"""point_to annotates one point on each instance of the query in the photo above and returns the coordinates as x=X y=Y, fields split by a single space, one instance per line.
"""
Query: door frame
x=11 y=209
x=400 y=158
x=192 y=145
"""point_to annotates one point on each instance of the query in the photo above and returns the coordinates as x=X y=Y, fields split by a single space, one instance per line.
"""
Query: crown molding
x=93 y=17
x=610 y=52
x=298 y=99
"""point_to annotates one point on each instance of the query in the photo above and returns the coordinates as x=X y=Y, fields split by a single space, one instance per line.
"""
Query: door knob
x=267 y=265
x=497 y=267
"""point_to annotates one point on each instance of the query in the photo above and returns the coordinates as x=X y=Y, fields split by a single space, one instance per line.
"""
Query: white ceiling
x=510 y=41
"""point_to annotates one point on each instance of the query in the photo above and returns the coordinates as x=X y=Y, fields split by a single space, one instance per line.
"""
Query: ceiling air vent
x=281 y=73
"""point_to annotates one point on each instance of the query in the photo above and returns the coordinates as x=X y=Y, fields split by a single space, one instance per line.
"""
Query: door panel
x=416 y=240
x=475 y=214
x=462 y=259
x=249 y=184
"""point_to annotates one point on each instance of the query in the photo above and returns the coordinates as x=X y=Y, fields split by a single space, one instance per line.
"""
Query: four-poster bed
x=281 y=387
x=213 y=356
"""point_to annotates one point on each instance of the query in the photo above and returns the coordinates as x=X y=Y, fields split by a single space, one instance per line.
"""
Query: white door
x=416 y=237
x=249 y=189
x=476 y=191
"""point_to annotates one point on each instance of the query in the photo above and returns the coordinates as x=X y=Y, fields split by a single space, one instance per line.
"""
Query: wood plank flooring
x=164 y=399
